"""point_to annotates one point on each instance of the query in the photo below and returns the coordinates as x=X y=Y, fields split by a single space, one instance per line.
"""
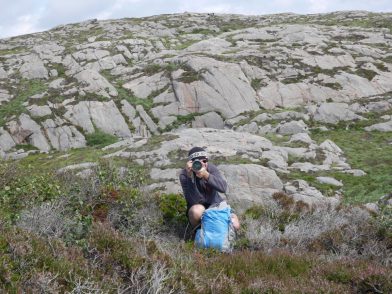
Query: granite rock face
x=246 y=186
x=226 y=87
x=201 y=79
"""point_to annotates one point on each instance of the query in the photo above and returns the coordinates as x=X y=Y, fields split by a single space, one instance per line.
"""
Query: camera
x=197 y=165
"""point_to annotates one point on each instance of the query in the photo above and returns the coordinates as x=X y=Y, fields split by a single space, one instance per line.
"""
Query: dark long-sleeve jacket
x=201 y=191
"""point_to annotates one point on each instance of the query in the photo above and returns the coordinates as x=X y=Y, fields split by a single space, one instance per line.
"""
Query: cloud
x=316 y=6
x=24 y=16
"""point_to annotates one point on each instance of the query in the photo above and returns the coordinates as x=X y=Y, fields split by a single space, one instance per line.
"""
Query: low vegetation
x=100 y=139
x=101 y=232
x=368 y=151
x=26 y=89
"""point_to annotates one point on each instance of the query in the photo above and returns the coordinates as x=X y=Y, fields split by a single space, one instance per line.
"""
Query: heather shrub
x=48 y=219
x=21 y=188
x=345 y=232
x=103 y=232
x=100 y=139
x=173 y=207
x=384 y=223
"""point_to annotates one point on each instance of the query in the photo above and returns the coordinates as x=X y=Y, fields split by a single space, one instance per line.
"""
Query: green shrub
x=173 y=207
x=256 y=84
x=100 y=139
x=384 y=224
x=339 y=276
x=255 y=212
x=22 y=188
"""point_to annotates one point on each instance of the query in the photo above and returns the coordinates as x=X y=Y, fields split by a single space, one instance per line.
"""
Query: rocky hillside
x=253 y=79
x=296 y=111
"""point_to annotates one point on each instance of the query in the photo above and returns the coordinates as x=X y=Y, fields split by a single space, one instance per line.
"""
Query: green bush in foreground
x=173 y=207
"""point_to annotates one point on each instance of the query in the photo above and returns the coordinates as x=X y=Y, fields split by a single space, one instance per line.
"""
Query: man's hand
x=203 y=173
x=188 y=168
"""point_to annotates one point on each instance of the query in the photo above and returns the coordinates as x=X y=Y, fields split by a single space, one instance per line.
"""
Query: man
x=201 y=186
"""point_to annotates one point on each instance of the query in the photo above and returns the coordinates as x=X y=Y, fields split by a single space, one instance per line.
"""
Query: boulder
x=39 y=111
x=300 y=191
x=385 y=199
x=57 y=84
x=249 y=184
x=355 y=172
x=330 y=146
x=276 y=160
x=252 y=128
x=49 y=51
x=71 y=65
x=6 y=141
x=381 y=127
x=302 y=138
x=33 y=68
x=355 y=86
x=292 y=127
x=63 y=137
x=334 y=112
x=28 y=131
x=379 y=106
x=329 y=181
x=208 y=120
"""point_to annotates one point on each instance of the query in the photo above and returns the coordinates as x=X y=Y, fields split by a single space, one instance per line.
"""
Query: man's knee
x=195 y=213
x=235 y=221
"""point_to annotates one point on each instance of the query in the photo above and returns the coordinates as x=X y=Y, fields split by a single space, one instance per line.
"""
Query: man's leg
x=195 y=213
x=235 y=221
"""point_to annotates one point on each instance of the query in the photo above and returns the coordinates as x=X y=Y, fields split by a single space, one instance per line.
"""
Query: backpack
x=216 y=229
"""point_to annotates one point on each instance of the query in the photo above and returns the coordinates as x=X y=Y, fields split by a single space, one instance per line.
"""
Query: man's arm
x=186 y=189
x=215 y=179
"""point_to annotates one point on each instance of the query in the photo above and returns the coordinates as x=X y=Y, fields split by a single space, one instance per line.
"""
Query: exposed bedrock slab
x=142 y=87
x=223 y=88
x=27 y=131
x=103 y=115
x=63 y=137
x=91 y=81
x=277 y=94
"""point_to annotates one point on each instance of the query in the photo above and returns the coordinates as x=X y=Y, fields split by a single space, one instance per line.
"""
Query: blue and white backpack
x=216 y=229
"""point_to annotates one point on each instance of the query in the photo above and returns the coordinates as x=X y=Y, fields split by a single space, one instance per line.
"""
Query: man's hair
x=197 y=153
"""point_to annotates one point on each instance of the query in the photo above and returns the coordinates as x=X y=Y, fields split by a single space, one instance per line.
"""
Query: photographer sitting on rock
x=201 y=181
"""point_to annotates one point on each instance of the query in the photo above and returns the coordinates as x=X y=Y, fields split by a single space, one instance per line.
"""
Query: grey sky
x=27 y=16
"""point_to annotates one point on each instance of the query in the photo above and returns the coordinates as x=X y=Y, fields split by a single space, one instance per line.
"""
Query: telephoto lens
x=197 y=165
